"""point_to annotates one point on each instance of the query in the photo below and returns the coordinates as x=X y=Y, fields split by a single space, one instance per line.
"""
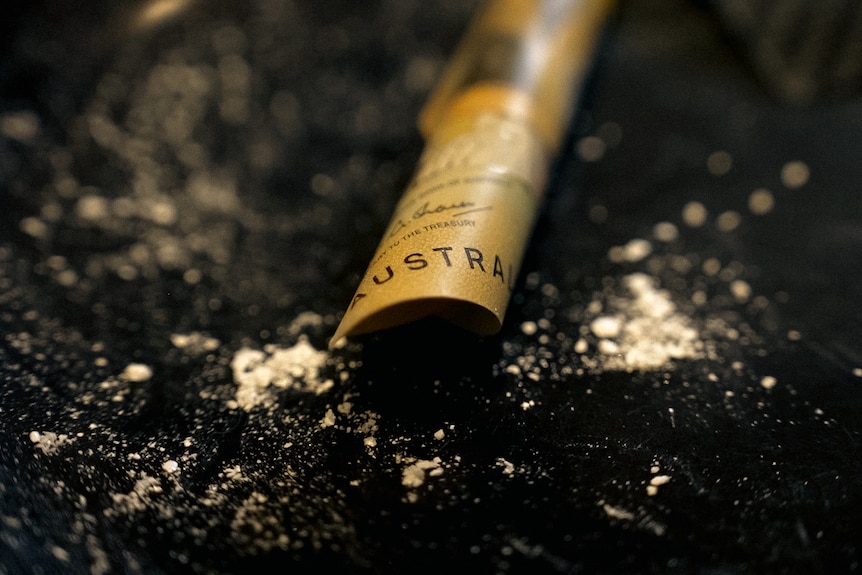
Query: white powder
x=694 y=214
x=741 y=290
x=655 y=482
x=665 y=232
x=328 y=419
x=719 y=163
x=606 y=326
x=768 y=382
x=195 y=341
x=795 y=174
x=414 y=473
x=49 y=442
x=728 y=221
x=633 y=251
x=645 y=332
x=258 y=524
x=258 y=373
x=761 y=202
x=22 y=126
x=618 y=513
x=137 y=372
x=508 y=467
x=136 y=500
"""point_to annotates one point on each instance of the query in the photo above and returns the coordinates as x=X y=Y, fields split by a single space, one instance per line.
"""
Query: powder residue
x=49 y=442
x=646 y=330
x=137 y=372
x=260 y=372
x=416 y=472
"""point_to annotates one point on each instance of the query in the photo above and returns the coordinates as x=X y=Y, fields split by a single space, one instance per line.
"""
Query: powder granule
x=414 y=474
x=137 y=372
x=606 y=326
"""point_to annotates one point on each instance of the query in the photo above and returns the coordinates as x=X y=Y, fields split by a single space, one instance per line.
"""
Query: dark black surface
x=118 y=235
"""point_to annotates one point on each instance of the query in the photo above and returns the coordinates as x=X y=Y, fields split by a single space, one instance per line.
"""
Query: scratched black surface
x=761 y=480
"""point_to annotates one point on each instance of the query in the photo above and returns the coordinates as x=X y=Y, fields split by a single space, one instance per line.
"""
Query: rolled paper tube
x=454 y=246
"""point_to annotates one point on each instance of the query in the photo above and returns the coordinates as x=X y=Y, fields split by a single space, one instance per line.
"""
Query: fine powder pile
x=644 y=330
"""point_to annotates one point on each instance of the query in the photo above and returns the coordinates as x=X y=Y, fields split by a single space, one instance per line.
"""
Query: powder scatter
x=761 y=202
x=694 y=214
x=137 y=372
x=642 y=522
x=258 y=525
x=795 y=174
x=49 y=442
x=257 y=372
x=415 y=473
x=170 y=466
x=618 y=513
x=439 y=434
x=196 y=342
x=138 y=499
x=768 y=382
x=646 y=330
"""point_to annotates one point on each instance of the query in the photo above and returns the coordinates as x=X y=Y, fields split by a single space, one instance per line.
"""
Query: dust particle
x=728 y=221
x=719 y=163
x=761 y=202
x=694 y=214
x=795 y=174
x=665 y=232
x=414 y=474
x=591 y=148
x=259 y=373
x=606 y=326
x=137 y=372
